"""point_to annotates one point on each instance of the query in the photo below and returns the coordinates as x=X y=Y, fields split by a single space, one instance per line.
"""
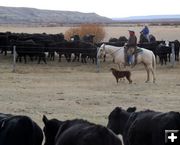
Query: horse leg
x=150 y=68
x=147 y=70
x=153 y=73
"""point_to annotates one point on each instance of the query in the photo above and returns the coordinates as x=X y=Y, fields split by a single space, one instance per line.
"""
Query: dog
x=121 y=74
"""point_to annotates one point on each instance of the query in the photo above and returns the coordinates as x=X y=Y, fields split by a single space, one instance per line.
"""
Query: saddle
x=138 y=49
x=131 y=59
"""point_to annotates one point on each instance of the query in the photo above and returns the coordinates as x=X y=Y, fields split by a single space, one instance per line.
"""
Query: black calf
x=77 y=132
x=144 y=127
x=19 y=130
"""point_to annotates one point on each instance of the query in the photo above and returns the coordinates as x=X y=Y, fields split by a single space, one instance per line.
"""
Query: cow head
x=50 y=129
x=117 y=120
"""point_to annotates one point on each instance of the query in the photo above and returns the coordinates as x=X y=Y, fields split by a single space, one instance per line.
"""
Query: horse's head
x=101 y=51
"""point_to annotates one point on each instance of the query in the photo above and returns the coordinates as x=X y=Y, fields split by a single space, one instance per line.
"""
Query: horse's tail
x=154 y=66
x=153 y=61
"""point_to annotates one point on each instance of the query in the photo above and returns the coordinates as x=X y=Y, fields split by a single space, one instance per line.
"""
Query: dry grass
x=73 y=90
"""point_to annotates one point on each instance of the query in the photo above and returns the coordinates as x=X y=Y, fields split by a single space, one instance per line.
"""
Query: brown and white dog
x=121 y=74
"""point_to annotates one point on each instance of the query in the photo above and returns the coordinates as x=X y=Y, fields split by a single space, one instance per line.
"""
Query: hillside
x=150 y=18
x=20 y=15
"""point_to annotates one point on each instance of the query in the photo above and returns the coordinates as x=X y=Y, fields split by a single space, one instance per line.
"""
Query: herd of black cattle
x=37 y=45
x=136 y=127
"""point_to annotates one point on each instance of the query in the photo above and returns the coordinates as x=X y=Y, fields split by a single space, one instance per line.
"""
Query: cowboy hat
x=131 y=31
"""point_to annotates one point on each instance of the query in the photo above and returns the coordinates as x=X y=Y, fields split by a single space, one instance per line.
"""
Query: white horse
x=145 y=57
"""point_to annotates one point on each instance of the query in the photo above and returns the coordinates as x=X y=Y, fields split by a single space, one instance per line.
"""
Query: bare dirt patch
x=74 y=90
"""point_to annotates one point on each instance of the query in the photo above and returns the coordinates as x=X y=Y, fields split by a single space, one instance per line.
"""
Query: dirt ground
x=74 y=90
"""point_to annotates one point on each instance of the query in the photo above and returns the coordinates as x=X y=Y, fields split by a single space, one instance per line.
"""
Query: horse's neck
x=113 y=51
x=110 y=50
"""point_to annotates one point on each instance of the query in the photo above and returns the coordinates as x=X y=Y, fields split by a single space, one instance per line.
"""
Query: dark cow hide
x=77 y=132
x=144 y=127
x=19 y=130
x=131 y=109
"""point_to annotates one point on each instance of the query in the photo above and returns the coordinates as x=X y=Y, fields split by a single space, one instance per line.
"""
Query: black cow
x=144 y=127
x=143 y=39
x=87 y=50
x=176 y=48
x=29 y=48
x=4 y=43
x=131 y=109
x=77 y=132
x=163 y=52
x=68 y=48
x=118 y=42
x=19 y=130
x=150 y=46
x=88 y=38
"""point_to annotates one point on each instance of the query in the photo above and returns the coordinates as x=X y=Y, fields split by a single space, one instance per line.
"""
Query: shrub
x=87 y=29
x=70 y=32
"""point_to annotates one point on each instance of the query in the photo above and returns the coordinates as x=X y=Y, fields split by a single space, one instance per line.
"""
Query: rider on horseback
x=132 y=42
x=145 y=32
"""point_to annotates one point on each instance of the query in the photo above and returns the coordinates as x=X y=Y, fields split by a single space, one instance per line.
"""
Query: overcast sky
x=108 y=8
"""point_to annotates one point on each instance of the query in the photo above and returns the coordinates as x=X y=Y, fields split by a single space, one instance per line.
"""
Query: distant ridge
x=21 y=15
x=150 y=18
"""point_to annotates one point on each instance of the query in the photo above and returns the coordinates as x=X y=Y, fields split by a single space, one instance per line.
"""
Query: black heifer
x=150 y=46
x=77 y=47
x=143 y=39
x=144 y=127
x=88 y=38
x=163 y=52
x=176 y=48
x=31 y=49
x=3 y=43
x=19 y=130
x=77 y=132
